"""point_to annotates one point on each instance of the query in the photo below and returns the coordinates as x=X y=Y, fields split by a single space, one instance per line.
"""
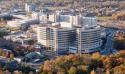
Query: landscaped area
x=104 y=18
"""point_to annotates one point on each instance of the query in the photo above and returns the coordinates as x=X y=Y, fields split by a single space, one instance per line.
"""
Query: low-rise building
x=20 y=24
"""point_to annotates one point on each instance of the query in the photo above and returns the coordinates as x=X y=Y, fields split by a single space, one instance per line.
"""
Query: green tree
x=3 y=33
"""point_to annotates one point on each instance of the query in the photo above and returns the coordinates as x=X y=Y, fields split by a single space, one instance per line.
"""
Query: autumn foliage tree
x=119 y=16
x=85 y=64
x=119 y=41
x=72 y=70
x=119 y=70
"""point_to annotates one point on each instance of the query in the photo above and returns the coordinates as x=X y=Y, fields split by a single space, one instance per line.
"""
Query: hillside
x=85 y=64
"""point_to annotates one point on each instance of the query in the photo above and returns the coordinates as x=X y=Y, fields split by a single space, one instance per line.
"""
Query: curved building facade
x=57 y=38
x=89 y=39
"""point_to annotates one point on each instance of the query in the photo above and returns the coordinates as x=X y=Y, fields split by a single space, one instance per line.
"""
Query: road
x=109 y=43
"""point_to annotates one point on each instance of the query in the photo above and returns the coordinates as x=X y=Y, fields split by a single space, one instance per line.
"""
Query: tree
x=92 y=72
x=119 y=16
x=61 y=71
x=119 y=41
x=50 y=73
x=3 y=33
x=1 y=19
x=1 y=52
x=119 y=70
x=107 y=63
x=44 y=72
x=107 y=71
x=11 y=56
x=59 y=62
x=72 y=70
x=81 y=69
x=47 y=66
x=1 y=72
x=31 y=42
x=96 y=55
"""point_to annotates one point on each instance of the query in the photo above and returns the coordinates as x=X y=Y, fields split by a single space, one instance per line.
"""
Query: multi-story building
x=90 y=21
x=20 y=23
x=69 y=18
x=30 y=7
x=74 y=19
x=56 y=37
x=89 y=39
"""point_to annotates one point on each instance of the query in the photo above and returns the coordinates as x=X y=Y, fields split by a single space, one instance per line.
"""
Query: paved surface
x=109 y=42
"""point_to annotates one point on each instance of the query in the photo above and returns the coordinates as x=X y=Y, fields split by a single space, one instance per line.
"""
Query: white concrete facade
x=56 y=37
x=89 y=40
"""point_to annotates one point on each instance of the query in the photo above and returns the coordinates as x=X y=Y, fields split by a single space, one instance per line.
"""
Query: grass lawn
x=104 y=17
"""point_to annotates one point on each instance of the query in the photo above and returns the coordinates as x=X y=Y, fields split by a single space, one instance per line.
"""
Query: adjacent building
x=21 y=24
x=30 y=7
x=89 y=21
x=89 y=39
